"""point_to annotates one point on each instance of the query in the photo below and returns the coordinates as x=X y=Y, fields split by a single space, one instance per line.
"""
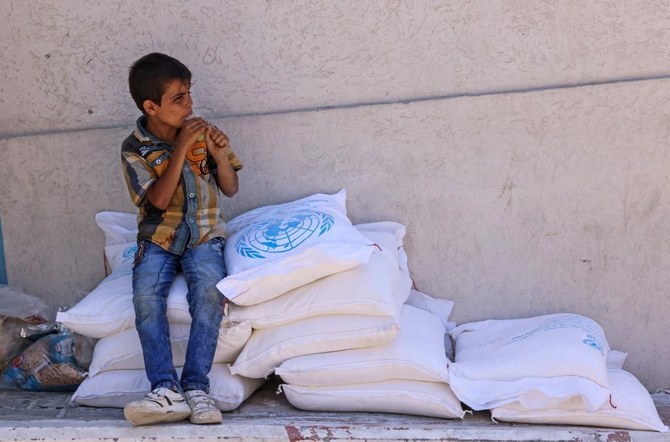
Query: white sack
x=439 y=307
x=536 y=361
x=398 y=396
x=108 y=309
x=417 y=353
x=121 y=255
x=118 y=227
x=268 y=348
x=630 y=407
x=117 y=388
x=615 y=358
x=123 y=351
x=377 y=288
x=273 y=249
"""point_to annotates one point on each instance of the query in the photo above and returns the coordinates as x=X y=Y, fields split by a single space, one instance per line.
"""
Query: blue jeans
x=153 y=272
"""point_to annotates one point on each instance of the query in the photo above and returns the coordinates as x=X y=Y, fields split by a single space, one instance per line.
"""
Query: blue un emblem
x=129 y=252
x=282 y=234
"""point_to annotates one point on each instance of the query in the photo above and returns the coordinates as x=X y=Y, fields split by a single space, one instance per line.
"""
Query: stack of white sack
x=553 y=369
x=308 y=281
x=311 y=284
x=116 y=375
x=407 y=375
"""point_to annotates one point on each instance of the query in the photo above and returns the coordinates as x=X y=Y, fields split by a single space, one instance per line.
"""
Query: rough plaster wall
x=64 y=63
x=516 y=204
x=51 y=192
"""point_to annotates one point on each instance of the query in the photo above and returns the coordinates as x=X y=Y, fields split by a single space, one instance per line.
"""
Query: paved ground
x=266 y=416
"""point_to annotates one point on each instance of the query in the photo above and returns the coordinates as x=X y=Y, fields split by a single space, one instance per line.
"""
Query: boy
x=177 y=186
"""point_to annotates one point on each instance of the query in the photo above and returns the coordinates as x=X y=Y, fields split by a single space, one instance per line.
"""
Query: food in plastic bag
x=55 y=362
x=17 y=311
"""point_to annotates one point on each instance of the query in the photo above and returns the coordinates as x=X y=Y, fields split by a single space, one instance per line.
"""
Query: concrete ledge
x=266 y=416
x=325 y=429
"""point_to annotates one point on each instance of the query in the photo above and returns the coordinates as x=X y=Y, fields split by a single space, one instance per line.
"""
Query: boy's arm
x=218 y=146
x=162 y=190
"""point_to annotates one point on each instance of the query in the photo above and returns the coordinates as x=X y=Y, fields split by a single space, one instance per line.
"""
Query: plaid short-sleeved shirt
x=194 y=214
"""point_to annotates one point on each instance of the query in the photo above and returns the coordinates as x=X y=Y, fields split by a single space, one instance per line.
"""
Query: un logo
x=129 y=252
x=282 y=234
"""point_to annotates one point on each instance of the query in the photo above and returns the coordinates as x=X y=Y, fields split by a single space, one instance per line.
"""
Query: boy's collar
x=142 y=134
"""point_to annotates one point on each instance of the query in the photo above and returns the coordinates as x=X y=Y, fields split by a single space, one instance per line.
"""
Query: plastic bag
x=55 y=362
x=17 y=311
x=11 y=342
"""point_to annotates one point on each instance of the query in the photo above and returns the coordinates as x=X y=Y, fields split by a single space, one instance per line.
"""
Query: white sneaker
x=203 y=410
x=160 y=405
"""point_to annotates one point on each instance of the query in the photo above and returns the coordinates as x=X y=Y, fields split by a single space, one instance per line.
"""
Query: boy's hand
x=189 y=133
x=217 y=142
x=218 y=146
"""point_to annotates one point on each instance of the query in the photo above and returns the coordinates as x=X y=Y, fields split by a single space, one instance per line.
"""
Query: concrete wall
x=523 y=144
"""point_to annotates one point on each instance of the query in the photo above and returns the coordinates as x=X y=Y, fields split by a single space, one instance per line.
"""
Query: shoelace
x=160 y=398
x=156 y=397
x=202 y=401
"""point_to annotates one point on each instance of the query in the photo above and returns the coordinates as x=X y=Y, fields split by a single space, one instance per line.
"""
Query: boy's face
x=175 y=106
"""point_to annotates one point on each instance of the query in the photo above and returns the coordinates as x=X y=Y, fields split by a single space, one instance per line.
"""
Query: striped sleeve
x=139 y=176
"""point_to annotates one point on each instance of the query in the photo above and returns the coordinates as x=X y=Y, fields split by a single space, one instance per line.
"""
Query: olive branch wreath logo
x=272 y=228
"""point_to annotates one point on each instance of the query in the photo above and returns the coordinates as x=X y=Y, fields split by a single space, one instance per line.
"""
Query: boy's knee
x=208 y=301
x=148 y=305
x=212 y=295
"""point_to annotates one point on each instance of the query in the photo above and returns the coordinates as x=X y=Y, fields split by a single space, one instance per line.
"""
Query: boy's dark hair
x=150 y=74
